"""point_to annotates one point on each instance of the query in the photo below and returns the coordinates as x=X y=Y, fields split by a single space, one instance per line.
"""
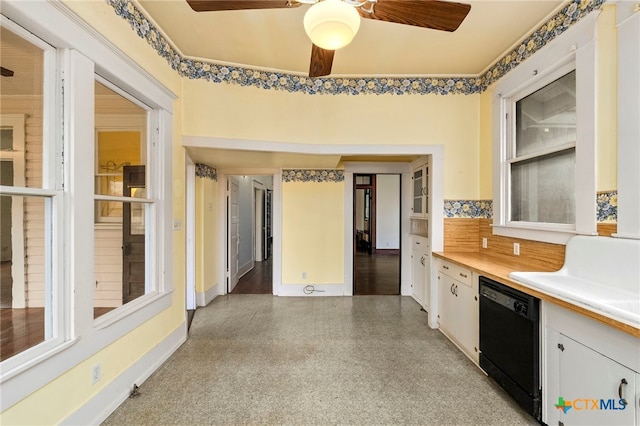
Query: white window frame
x=575 y=49
x=57 y=334
x=81 y=53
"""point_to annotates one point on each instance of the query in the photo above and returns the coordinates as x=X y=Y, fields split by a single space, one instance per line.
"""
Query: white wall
x=387 y=211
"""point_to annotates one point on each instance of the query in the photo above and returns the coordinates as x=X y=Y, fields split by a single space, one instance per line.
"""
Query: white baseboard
x=320 y=290
x=98 y=408
x=203 y=299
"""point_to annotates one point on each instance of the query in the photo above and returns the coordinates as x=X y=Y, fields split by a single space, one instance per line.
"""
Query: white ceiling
x=275 y=38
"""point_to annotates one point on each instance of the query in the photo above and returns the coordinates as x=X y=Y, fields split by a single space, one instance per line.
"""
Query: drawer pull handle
x=463 y=275
x=445 y=267
x=622 y=400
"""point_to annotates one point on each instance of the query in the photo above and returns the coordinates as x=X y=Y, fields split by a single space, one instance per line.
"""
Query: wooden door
x=133 y=234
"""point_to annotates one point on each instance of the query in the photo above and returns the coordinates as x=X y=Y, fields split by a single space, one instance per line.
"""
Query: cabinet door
x=447 y=304
x=426 y=280
x=591 y=388
x=418 y=185
x=417 y=275
x=467 y=313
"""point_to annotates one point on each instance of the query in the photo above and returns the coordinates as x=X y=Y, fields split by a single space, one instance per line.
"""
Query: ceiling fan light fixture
x=331 y=24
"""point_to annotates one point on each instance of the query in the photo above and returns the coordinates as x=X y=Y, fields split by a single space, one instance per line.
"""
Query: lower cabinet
x=590 y=385
x=458 y=307
x=420 y=270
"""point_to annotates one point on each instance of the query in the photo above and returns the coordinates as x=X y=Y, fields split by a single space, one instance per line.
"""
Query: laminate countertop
x=498 y=268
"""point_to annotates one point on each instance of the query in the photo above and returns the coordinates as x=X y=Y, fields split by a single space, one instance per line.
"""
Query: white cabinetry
x=591 y=372
x=420 y=267
x=458 y=306
x=420 y=192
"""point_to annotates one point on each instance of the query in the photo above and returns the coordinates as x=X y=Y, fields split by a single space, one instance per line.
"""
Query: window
x=50 y=106
x=29 y=200
x=544 y=127
x=121 y=257
x=542 y=155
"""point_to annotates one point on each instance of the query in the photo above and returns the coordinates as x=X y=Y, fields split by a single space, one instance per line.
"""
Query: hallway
x=259 y=359
x=258 y=280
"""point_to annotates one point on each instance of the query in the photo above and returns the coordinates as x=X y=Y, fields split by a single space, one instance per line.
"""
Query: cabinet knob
x=463 y=275
x=445 y=267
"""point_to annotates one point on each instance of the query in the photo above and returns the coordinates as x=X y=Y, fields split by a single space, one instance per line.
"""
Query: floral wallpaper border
x=320 y=175
x=471 y=209
x=207 y=172
x=218 y=73
x=607 y=206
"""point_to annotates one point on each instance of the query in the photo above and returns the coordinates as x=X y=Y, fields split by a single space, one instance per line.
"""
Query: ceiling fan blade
x=216 y=5
x=434 y=14
x=321 y=61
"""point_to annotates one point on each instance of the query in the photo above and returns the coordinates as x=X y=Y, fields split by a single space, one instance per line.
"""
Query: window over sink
x=544 y=129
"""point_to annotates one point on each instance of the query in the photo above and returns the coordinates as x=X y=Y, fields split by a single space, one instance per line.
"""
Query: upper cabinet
x=420 y=181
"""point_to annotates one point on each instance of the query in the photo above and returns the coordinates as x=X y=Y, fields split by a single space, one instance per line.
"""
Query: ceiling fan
x=343 y=16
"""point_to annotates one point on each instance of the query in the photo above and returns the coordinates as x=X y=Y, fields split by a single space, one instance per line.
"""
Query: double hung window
x=542 y=154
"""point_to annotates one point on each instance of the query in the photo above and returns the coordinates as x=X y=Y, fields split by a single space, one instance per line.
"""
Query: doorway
x=250 y=266
x=376 y=234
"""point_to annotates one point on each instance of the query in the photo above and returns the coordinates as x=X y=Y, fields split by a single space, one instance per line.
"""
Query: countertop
x=498 y=268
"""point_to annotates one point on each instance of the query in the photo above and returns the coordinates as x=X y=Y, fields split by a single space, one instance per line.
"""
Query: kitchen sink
x=601 y=274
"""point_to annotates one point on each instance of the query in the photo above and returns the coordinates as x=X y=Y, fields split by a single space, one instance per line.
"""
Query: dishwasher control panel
x=516 y=305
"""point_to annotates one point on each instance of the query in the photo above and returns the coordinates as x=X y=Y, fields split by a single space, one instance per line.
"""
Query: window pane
x=21 y=108
x=23 y=294
x=543 y=189
x=6 y=139
x=547 y=118
x=120 y=259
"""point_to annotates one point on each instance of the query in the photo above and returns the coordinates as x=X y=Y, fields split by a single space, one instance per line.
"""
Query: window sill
x=546 y=235
x=141 y=304
x=16 y=365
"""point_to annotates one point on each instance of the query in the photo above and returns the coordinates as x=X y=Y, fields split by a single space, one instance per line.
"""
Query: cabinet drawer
x=419 y=243
x=456 y=272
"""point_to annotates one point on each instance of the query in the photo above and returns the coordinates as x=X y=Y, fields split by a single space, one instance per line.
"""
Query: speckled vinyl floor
x=260 y=359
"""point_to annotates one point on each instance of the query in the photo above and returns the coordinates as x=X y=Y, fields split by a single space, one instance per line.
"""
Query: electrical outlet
x=484 y=242
x=516 y=249
x=304 y=275
x=96 y=373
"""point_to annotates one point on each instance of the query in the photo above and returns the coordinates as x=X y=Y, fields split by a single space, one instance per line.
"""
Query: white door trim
x=190 y=229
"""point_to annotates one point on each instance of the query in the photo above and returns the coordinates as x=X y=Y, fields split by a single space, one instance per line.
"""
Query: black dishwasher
x=510 y=344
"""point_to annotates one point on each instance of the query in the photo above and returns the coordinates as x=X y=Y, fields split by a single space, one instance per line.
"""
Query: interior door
x=133 y=234
x=234 y=232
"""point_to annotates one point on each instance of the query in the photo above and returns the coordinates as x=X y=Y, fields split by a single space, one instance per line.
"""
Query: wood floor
x=377 y=274
x=259 y=280
x=21 y=329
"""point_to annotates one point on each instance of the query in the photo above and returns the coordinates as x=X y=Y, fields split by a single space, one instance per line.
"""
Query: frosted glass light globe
x=331 y=24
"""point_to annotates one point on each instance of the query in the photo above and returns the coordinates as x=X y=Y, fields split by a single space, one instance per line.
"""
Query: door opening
x=376 y=234
x=249 y=240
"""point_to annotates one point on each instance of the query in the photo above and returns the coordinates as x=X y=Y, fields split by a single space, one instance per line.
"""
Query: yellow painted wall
x=312 y=232
x=485 y=155
x=607 y=105
x=57 y=400
x=206 y=235
x=279 y=116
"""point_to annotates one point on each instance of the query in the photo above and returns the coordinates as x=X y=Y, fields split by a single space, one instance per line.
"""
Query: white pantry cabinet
x=458 y=306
